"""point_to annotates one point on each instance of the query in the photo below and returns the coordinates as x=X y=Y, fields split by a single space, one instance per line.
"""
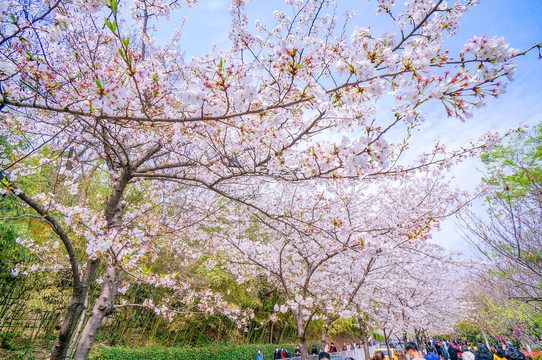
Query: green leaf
x=98 y=83
x=114 y=6
x=111 y=25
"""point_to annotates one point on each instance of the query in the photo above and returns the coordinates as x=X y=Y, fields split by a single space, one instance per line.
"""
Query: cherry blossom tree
x=502 y=318
x=329 y=268
x=96 y=95
x=420 y=292
x=510 y=239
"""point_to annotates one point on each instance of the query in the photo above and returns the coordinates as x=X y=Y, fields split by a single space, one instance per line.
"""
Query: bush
x=213 y=352
x=6 y=340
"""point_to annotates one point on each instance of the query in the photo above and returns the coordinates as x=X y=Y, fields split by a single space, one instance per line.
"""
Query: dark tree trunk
x=75 y=338
x=103 y=306
x=386 y=339
x=304 y=346
x=301 y=335
x=323 y=337
x=364 y=338
x=73 y=312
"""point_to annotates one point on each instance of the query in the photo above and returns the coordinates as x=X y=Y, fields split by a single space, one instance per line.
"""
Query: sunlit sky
x=519 y=21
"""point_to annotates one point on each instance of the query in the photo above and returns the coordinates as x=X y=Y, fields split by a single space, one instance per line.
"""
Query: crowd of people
x=433 y=350
x=451 y=350
x=283 y=353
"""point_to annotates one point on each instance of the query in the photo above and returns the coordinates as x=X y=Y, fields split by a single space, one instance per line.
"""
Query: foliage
x=468 y=331
x=515 y=166
x=12 y=253
x=502 y=318
x=214 y=352
x=6 y=339
x=511 y=238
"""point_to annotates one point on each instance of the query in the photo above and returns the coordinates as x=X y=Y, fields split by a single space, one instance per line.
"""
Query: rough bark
x=323 y=337
x=304 y=347
x=301 y=335
x=364 y=338
x=386 y=339
x=77 y=331
x=103 y=306
x=73 y=312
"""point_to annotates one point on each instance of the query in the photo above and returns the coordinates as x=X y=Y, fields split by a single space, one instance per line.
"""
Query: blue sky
x=519 y=21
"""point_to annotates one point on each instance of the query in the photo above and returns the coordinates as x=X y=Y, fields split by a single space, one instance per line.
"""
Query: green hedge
x=213 y=352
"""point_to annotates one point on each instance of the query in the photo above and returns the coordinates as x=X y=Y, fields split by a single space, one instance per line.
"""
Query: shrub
x=6 y=340
x=213 y=352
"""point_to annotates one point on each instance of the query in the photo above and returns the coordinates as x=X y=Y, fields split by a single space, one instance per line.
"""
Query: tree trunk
x=485 y=337
x=282 y=332
x=77 y=331
x=386 y=339
x=73 y=312
x=301 y=334
x=304 y=346
x=103 y=306
x=364 y=338
x=328 y=323
x=424 y=347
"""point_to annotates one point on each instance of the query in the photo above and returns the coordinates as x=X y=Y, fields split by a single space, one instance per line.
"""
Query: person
x=287 y=354
x=441 y=350
x=259 y=356
x=431 y=356
x=412 y=350
x=324 y=355
x=430 y=348
x=458 y=348
x=378 y=355
x=468 y=355
x=452 y=351
x=314 y=350
x=483 y=353
x=513 y=353
x=498 y=353
x=297 y=351
x=277 y=354
x=332 y=348
x=282 y=353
